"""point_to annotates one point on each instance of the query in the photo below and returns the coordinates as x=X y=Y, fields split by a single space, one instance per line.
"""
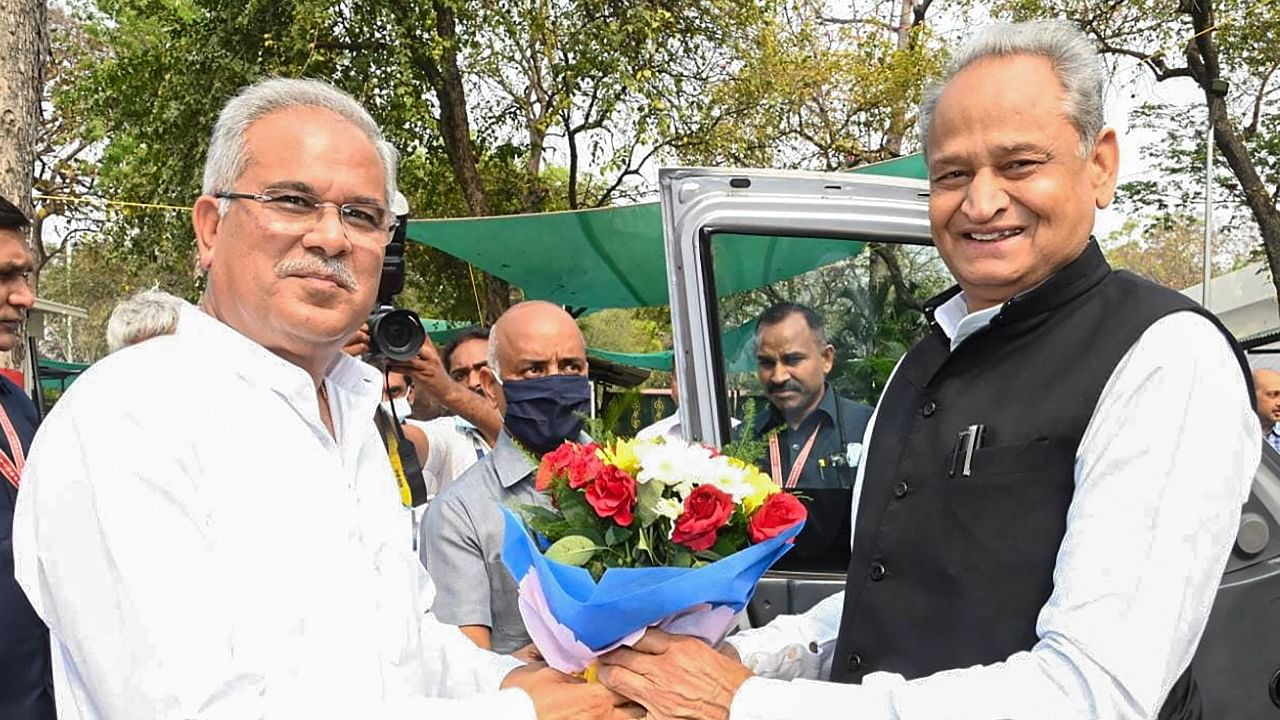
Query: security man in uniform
x=817 y=445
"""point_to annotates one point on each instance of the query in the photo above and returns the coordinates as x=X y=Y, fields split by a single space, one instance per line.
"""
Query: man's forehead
x=15 y=253
x=791 y=333
x=300 y=148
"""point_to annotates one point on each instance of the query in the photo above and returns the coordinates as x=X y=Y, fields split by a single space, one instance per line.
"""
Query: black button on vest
x=973 y=554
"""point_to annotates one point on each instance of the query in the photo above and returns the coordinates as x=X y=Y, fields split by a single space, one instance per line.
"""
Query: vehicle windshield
x=803 y=360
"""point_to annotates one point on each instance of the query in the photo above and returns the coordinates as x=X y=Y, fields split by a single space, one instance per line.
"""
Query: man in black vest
x=26 y=687
x=818 y=444
x=1054 y=474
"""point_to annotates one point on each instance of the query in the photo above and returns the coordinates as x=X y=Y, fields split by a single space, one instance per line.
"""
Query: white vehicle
x=707 y=214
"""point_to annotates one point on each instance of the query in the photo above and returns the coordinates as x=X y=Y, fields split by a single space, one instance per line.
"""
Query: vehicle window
x=809 y=330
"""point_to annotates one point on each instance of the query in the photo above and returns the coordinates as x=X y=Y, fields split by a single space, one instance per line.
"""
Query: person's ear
x=828 y=358
x=1103 y=167
x=492 y=388
x=204 y=221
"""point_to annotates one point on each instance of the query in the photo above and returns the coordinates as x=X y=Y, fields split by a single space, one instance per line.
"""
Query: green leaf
x=681 y=558
x=647 y=496
x=616 y=535
x=573 y=550
x=573 y=505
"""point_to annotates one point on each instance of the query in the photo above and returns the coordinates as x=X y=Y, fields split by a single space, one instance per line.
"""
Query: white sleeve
x=1161 y=473
x=793 y=646
x=111 y=547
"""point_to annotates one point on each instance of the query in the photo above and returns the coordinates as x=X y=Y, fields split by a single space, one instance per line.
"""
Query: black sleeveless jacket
x=950 y=571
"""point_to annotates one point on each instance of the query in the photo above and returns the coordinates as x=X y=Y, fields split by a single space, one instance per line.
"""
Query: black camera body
x=394 y=334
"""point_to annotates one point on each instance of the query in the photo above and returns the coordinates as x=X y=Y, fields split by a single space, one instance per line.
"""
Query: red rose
x=613 y=495
x=779 y=512
x=585 y=466
x=553 y=465
x=706 y=510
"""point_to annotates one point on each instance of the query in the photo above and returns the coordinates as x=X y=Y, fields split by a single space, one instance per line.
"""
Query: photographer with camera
x=393 y=340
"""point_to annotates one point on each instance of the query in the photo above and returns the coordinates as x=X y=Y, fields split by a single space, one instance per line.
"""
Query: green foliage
x=746 y=445
x=603 y=429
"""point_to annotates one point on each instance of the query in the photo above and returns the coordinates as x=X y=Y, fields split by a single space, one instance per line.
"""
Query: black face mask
x=544 y=412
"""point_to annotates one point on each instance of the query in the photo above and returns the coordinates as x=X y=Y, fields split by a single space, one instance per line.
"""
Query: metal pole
x=1208 y=210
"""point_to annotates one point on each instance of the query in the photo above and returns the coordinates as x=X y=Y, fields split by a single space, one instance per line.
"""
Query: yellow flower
x=623 y=455
x=764 y=487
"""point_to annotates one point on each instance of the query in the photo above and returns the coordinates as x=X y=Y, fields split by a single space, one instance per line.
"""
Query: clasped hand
x=675 y=676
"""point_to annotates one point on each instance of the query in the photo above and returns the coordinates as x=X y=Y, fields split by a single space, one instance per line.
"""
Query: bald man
x=537 y=376
x=1266 y=388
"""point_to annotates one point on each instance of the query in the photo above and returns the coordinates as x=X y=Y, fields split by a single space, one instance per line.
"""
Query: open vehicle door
x=715 y=220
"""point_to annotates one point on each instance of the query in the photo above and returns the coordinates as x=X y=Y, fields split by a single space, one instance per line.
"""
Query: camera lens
x=396 y=334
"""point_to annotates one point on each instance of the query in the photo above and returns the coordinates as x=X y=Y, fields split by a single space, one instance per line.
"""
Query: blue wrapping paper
x=627 y=600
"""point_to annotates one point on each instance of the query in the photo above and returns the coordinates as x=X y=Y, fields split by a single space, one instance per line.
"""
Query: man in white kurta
x=209 y=524
x=237 y=561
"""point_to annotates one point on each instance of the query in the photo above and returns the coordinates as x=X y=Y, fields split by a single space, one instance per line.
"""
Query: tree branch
x=869 y=22
x=1155 y=62
x=902 y=295
x=1252 y=129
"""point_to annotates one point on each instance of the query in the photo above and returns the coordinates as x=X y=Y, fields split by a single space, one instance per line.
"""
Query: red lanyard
x=12 y=469
x=775 y=459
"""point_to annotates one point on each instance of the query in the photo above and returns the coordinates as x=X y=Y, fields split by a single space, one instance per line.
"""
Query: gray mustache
x=320 y=266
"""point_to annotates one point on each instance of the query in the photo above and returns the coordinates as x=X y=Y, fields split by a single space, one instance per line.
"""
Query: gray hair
x=141 y=317
x=227 y=155
x=1074 y=59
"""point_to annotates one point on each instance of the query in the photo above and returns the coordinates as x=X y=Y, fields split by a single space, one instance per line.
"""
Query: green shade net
x=442 y=331
x=610 y=258
x=56 y=375
x=907 y=166
x=614 y=257
x=739 y=353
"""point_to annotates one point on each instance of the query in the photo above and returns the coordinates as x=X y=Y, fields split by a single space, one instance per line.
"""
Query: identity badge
x=853 y=454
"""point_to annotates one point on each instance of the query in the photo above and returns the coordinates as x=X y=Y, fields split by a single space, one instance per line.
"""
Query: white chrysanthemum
x=728 y=478
x=671 y=463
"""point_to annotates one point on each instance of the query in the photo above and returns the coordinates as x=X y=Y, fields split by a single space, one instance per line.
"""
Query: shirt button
x=928 y=408
x=877 y=572
x=854 y=663
x=900 y=490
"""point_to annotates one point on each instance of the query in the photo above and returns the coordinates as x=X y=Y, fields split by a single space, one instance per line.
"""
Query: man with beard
x=248 y=559
x=537 y=376
x=814 y=435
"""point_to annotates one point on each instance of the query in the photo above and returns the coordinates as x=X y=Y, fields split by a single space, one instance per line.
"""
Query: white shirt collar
x=354 y=385
x=958 y=323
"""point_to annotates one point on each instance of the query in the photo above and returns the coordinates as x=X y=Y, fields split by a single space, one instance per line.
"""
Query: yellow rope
x=101 y=201
x=475 y=290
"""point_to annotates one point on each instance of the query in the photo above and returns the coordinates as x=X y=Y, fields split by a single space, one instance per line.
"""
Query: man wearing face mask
x=537 y=376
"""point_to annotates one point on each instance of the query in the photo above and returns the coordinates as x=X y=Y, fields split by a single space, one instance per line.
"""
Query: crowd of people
x=1018 y=541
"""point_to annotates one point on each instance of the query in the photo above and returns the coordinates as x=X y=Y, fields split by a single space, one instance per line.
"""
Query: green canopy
x=442 y=331
x=738 y=344
x=57 y=375
x=614 y=257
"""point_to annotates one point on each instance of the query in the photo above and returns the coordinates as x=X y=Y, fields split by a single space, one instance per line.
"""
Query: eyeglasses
x=296 y=211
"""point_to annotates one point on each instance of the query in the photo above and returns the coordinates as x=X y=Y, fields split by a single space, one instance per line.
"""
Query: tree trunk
x=455 y=129
x=23 y=45
x=1202 y=59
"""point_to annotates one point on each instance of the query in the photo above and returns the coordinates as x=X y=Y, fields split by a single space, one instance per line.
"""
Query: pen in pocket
x=967 y=441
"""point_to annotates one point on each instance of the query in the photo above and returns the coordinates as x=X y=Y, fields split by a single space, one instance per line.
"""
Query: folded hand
x=674 y=676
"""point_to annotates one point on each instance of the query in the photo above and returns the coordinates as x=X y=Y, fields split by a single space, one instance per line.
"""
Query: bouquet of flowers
x=642 y=533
